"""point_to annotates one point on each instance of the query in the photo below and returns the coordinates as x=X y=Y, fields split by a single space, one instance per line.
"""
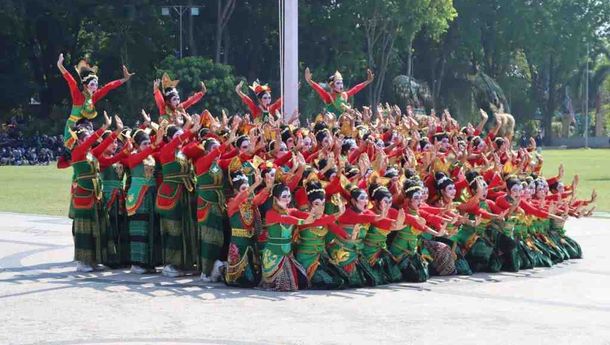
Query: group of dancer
x=354 y=198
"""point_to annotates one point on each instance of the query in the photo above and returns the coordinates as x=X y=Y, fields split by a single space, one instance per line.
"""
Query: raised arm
x=324 y=95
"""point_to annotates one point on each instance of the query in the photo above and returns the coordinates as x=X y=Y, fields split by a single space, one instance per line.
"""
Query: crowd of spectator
x=19 y=149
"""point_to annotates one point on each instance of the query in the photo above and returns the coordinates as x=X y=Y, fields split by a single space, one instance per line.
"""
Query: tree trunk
x=227 y=45
x=218 y=31
x=192 y=46
x=599 y=115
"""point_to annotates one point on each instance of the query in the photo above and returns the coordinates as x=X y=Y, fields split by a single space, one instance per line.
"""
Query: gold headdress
x=82 y=68
x=167 y=83
x=258 y=88
x=335 y=77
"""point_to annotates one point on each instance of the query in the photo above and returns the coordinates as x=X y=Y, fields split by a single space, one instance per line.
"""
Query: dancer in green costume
x=407 y=247
x=243 y=264
x=337 y=100
x=375 y=248
x=174 y=200
x=312 y=240
x=280 y=270
x=86 y=205
x=144 y=232
x=83 y=101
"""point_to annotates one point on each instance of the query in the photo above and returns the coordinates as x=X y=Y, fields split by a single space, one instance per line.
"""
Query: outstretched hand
x=307 y=75
x=239 y=86
x=119 y=124
x=107 y=120
x=126 y=74
x=369 y=76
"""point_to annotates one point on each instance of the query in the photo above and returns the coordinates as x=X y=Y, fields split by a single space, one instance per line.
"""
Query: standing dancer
x=264 y=110
x=86 y=207
x=337 y=100
x=144 y=234
x=83 y=101
x=173 y=203
x=168 y=102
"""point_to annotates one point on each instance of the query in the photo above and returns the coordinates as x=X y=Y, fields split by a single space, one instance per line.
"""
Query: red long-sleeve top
x=80 y=151
x=184 y=105
x=329 y=221
x=292 y=217
x=106 y=161
x=257 y=110
x=329 y=97
x=77 y=96
x=167 y=153
x=241 y=197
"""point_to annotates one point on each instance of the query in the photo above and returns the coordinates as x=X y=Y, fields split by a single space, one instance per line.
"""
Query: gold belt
x=238 y=232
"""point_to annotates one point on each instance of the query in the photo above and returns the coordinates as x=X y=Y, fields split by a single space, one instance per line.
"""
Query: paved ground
x=43 y=300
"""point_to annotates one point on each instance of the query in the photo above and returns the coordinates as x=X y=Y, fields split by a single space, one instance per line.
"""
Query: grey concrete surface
x=44 y=301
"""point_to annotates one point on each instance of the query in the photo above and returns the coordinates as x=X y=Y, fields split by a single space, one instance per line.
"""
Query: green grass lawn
x=45 y=189
x=35 y=189
x=593 y=167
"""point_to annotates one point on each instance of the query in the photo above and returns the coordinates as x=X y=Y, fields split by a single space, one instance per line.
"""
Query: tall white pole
x=290 y=66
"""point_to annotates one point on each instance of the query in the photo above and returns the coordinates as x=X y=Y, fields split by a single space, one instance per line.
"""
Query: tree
x=224 y=15
x=558 y=32
x=389 y=24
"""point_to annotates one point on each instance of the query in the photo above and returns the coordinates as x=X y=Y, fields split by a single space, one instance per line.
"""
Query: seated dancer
x=280 y=270
x=168 y=102
x=85 y=96
x=347 y=253
x=407 y=248
x=337 y=100
x=375 y=248
x=312 y=240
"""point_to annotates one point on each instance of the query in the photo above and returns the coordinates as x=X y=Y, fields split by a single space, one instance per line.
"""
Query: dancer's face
x=385 y=203
x=307 y=144
x=290 y=143
x=284 y=199
x=416 y=200
x=174 y=101
x=112 y=147
x=92 y=86
x=266 y=99
x=515 y=191
x=449 y=192
x=318 y=203
x=245 y=145
x=144 y=145
x=283 y=149
x=482 y=190
x=244 y=186
x=178 y=133
x=361 y=202
x=338 y=85
x=326 y=142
